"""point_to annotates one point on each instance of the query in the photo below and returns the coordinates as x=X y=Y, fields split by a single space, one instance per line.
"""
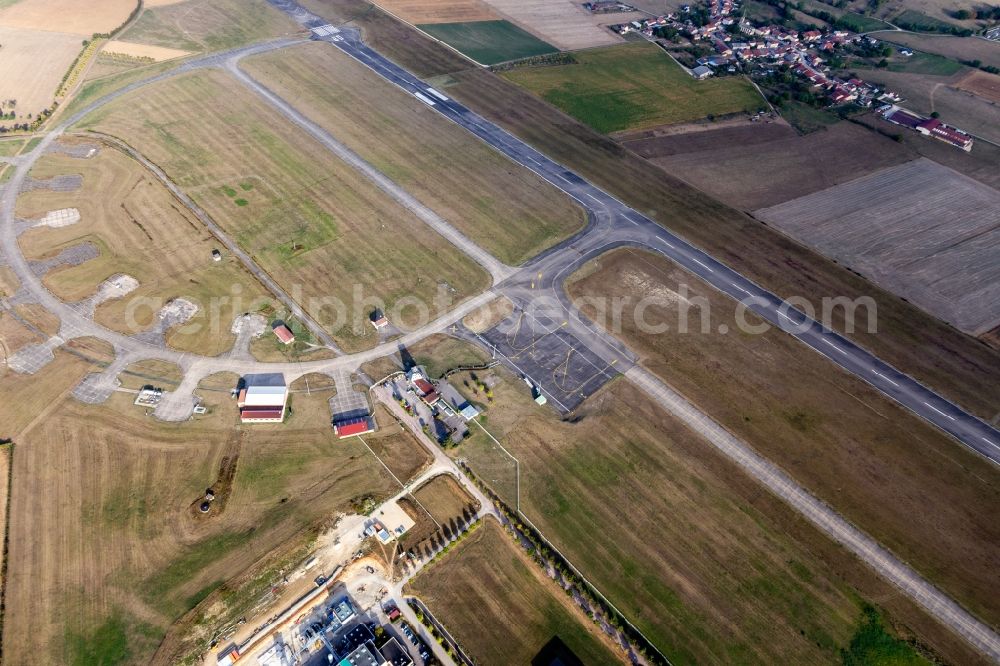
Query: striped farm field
x=504 y=207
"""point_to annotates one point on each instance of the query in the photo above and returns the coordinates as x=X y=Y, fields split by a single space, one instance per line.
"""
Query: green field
x=911 y=19
x=489 y=42
x=925 y=63
x=634 y=86
x=499 y=606
x=10 y=147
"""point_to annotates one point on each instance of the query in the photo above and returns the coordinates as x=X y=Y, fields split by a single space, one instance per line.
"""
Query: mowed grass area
x=209 y=25
x=501 y=205
x=708 y=565
x=10 y=147
x=115 y=554
x=396 y=447
x=867 y=457
x=633 y=86
x=500 y=607
x=322 y=231
x=141 y=230
x=438 y=353
x=489 y=42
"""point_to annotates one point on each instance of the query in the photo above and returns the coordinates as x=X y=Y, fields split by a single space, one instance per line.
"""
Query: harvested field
x=141 y=230
x=28 y=78
x=981 y=84
x=920 y=229
x=102 y=16
x=868 y=458
x=101 y=570
x=307 y=218
x=563 y=23
x=499 y=605
x=763 y=165
x=690 y=549
x=208 y=25
x=501 y=205
x=950 y=46
x=26 y=399
x=633 y=86
x=13 y=336
x=142 y=51
x=439 y=11
x=488 y=42
x=445 y=499
x=397 y=447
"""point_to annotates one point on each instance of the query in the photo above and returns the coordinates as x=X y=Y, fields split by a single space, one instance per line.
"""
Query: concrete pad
x=70 y=256
x=63 y=183
x=246 y=328
x=551 y=356
x=116 y=286
x=29 y=360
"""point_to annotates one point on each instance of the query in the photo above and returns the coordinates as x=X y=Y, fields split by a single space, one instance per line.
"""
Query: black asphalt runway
x=634 y=228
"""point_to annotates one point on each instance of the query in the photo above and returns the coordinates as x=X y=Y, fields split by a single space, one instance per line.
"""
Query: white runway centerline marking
x=939 y=411
x=705 y=266
x=825 y=341
x=885 y=378
x=665 y=242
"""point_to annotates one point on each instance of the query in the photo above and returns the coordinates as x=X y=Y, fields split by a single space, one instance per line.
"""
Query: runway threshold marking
x=939 y=411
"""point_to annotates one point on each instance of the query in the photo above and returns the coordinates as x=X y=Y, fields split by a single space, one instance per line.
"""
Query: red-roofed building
x=284 y=334
x=423 y=385
x=929 y=127
x=351 y=427
x=251 y=414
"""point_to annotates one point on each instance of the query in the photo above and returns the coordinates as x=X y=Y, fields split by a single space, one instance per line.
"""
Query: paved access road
x=639 y=230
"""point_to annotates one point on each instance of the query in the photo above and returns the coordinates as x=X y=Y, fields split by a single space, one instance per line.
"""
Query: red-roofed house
x=284 y=334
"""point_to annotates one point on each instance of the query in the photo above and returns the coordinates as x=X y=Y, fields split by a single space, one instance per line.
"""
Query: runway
x=632 y=227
